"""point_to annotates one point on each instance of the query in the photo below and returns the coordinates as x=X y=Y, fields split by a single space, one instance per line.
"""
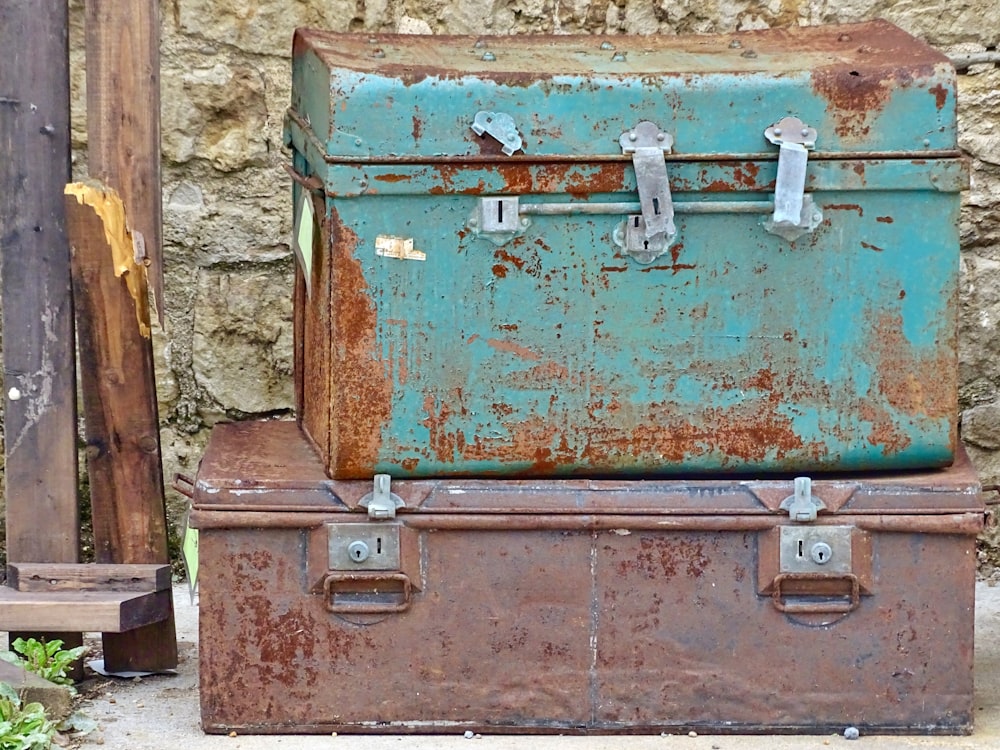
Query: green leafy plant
x=23 y=727
x=47 y=659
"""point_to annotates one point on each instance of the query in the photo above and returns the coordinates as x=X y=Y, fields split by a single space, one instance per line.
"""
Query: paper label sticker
x=389 y=246
x=189 y=553
x=305 y=238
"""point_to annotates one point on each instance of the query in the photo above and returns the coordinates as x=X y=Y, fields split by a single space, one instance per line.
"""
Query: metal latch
x=649 y=235
x=498 y=219
x=795 y=213
x=803 y=505
x=381 y=501
x=500 y=126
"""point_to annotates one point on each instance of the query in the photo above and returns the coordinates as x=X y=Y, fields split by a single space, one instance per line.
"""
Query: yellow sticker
x=305 y=236
x=189 y=552
x=389 y=246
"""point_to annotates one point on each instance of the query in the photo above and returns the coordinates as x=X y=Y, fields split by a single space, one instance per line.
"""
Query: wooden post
x=123 y=132
x=123 y=116
x=38 y=346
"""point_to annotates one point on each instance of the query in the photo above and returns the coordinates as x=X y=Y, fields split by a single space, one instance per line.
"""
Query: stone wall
x=225 y=85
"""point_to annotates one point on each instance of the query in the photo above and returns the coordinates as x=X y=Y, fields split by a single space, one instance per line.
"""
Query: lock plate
x=815 y=549
x=363 y=546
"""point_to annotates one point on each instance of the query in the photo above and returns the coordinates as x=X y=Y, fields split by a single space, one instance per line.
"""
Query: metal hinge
x=381 y=502
x=648 y=235
x=500 y=126
x=803 y=505
x=795 y=213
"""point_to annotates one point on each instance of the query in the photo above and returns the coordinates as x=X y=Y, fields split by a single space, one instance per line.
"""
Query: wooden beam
x=36 y=577
x=123 y=116
x=119 y=401
x=98 y=611
x=123 y=150
x=40 y=472
x=38 y=346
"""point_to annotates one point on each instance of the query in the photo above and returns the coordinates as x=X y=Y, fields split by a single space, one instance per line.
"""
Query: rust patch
x=746 y=175
x=940 y=94
x=718 y=186
x=516 y=349
x=846 y=207
x=869 y=246
x=502 y=410
x=410 y=464
x=393 y=177
x=857 y=91
x=884 y=219
x=853 y=97
x=884 y=432
x=762 y=380
x=442 y=443
x=912 y=384
x=514 y=260
x=665 y=558
x=500 y=271
x=418 y=128
x=362 y=384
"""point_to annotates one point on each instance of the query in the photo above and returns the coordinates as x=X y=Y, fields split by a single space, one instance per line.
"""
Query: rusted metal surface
x=559 y=621
x=256 y=467
x=665 y=632
x=550 y=352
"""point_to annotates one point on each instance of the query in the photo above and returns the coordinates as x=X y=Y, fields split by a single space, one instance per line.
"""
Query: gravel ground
x=162 y=713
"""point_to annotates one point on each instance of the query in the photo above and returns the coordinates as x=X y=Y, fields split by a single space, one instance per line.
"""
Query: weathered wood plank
x=98 y=611
x=36 y=577
x=123 y=149
x=119 y=401
x=38 y=354
x=123 y=116
x=38 y=351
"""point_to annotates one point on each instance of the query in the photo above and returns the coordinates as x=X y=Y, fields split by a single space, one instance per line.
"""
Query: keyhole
x=656 y=206
x=821 y=553
x=358 y=551
x=499 y=212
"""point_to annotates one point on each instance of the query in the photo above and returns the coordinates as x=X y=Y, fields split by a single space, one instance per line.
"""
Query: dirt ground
x=162 y=712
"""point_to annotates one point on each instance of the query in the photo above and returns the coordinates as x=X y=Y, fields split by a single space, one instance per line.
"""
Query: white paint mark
x=14 y=394
x=389 y=246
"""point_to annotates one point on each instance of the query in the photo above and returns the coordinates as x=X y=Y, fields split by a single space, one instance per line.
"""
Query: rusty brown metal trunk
x=567 y=619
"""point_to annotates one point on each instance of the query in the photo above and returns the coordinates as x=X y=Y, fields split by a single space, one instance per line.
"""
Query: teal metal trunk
x=626 y=256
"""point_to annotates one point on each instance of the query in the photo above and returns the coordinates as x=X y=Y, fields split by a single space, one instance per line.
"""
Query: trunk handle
x=835 y=607
x=367 y=606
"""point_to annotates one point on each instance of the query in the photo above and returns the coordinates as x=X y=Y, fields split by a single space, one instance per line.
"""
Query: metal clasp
x=500 y=126
x=381 y=502
x=795 y=213
x=803 y=505
x=648 y=235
